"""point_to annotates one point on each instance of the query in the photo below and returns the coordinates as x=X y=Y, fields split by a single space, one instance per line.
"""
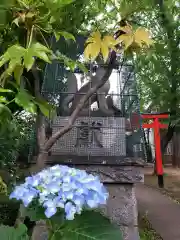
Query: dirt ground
x=171 y=181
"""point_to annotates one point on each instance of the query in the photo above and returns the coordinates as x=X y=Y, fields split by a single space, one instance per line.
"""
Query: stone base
x=121 y=207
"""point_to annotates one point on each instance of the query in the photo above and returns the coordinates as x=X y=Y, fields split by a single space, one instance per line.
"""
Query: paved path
x=162 y=212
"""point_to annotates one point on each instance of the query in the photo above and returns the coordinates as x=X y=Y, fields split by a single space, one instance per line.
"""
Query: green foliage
x=157 y=71
x=11 y=233
x=3 y=187
x=8 y=210
x=88 y=225
x=26 y=27
x=35 y=212
x=14 y=141
x=91 y=225
x=18 y=57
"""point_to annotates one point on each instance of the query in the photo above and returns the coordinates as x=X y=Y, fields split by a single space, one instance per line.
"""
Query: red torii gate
x=157 y=125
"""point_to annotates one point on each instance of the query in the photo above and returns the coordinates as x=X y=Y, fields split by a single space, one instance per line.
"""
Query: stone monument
x=101 y=140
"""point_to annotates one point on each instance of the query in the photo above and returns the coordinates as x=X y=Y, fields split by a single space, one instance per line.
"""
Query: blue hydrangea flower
x=62 y=187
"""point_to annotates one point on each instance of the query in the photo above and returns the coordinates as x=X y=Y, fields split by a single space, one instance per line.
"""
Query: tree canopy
x=26 y=27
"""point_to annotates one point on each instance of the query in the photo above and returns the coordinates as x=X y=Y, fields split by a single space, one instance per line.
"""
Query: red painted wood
x=153 y=116
x=156 y=125
x=148 y=125
x=151 y=125
x=157 y=140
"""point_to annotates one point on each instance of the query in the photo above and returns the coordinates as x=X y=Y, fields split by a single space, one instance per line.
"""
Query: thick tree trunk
x=174 y=152
x=167 y=138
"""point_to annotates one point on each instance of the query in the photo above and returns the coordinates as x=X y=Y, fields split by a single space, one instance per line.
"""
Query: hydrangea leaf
x=90 y=225
x=11 y=233
x=35 y=212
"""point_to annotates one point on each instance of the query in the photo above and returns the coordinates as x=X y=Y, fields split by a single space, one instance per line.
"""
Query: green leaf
x=30 y=15
x=4 y=59
x=11 y=233
x=66 y=35
x=18 y=71
x=28 y=60
x=11 y=67
x=16 y=51
x=5 y=112
x=57 y=35
x=82 y=67
x=3 y=18
x=40 y=48
x=24 y=100
x=43 y=56
x=69 y=62
x=90 y=225
x=35 y=212
x=16 y=21
x=47 y=109
x=14 y=55
x=5 y=90
x=3 y=100
x=36 y=50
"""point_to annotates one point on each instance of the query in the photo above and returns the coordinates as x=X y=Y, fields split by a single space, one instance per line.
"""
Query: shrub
x=8 y=210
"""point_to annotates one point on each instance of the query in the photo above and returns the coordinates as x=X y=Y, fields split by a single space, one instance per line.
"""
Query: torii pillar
x=157 y=125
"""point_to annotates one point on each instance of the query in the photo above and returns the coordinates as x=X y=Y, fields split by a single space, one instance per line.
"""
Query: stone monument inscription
x=95 y=136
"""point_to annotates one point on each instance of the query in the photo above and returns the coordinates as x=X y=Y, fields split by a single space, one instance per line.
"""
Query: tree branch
x=40 y=128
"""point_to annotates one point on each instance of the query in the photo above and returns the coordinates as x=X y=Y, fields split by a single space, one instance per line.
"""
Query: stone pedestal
x=121 y=207
x=98 y=145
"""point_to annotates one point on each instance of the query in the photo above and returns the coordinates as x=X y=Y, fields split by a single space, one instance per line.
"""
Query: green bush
x=8 y=210
x=15 y=140
x=11 y=233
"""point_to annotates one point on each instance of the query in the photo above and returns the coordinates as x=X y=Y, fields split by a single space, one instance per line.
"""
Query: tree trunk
x=176 y=151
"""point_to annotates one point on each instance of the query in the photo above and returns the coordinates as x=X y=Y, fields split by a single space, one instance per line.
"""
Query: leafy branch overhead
x=130 y=39
x=26 y=27
x=19 y=58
